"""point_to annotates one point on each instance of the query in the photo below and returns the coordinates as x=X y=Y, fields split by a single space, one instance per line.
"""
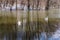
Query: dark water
x=32 y=25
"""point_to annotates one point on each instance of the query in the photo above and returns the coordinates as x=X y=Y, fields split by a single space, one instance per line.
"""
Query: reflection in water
x=16 y=25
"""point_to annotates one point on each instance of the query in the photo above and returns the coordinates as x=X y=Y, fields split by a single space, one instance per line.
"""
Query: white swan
x=19 y=6
x=46 y=19
x=19 y=23
x=2 y=7
x=7 y=7
x=31 y=8
x=43 y=8
x=14 y=6
x=25 y=8
x=34 y=7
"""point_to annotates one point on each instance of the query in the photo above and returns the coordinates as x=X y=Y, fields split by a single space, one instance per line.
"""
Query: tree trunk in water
x=28 y=23
x=47 y=5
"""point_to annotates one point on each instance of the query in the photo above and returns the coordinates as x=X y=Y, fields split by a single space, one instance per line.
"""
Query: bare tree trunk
x=47 y=5
x=28 y=4
x=28 y=23
x=37 y=4
x=16 y=4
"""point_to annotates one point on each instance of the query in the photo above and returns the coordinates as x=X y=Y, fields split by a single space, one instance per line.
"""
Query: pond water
x=30 y=25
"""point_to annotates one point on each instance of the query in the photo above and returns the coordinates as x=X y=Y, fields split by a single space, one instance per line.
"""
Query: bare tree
x=47 y=5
